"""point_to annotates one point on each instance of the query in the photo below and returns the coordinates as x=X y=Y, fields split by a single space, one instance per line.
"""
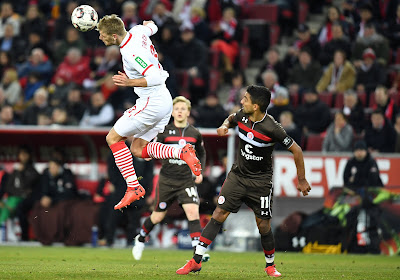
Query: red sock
x=124 y=161
x=161 y=151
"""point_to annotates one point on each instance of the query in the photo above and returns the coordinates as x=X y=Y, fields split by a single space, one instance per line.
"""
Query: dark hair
x=378 y=112
x=259 y=95
x=26 y=149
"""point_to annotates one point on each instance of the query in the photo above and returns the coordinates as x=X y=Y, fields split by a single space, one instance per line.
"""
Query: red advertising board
x=324 y=172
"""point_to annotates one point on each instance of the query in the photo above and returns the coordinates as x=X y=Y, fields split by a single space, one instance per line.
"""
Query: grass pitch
x=97 y=263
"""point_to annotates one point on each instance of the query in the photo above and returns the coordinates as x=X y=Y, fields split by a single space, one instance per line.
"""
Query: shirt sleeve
x=235 y=117
x=141 y=63
x=279 y=135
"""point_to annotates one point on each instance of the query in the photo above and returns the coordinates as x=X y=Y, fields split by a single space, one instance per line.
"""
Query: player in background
x=152 y=110
x=176 y=180
x=250 y=179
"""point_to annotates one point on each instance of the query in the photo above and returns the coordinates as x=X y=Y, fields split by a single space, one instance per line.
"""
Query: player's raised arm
x=303 y=186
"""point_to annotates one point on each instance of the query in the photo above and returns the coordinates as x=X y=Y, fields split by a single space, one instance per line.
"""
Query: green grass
x=117 y=264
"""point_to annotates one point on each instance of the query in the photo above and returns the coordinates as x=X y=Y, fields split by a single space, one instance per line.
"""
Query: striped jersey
x=256 y=143
x=139 y=55
x=179 y=137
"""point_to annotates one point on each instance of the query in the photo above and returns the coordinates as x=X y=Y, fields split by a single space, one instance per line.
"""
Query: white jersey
x=138 y=55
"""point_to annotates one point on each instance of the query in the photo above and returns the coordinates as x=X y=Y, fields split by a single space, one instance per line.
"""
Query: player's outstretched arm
x=122 y=80
x=303 y=186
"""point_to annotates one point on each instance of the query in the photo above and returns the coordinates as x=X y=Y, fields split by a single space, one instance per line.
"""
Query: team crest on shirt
x=250 y=135
x=221 y=199
x=162 y=205
x=182 y=142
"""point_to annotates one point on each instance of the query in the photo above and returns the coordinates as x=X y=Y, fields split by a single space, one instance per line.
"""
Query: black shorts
x=168 y=190
x=256 y=194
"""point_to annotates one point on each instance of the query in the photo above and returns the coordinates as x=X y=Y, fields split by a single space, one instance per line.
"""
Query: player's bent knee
x=136 y=151
x=220 y=215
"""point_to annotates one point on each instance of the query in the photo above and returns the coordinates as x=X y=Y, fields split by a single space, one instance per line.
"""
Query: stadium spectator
x=372 y=40
x=273 y=63
x=397 y=128
x=8 y=16
x=99 y=112
x=305 y=40
x=7 y=115
x=210 y=114
x=5 y=62
x=23 y=189
x=339 y=76
x=366 y=16
x=74 y=68
x=39 y=63
x=370 y=74
x=281 y=103
x=225 y=38
x=161 y=14
x=192 y=60
x=385 y=103
x=339 y=136
x=234 y=94
x=313 y=116
x=39 y=105
x=129 y=14
x=201 y=28
x=59 y=116
x=13 y=44
x=380 y=135
x=393 y=31
x=63 y=20
x=75 y=105
x=33 y=22
x=103 y=63
x=354 y=111
x=339 y=42
x=169 y=66
x=305 y=73
x=325 y=33
x=37 y=41
x=11 y=87
x=49 y=217
x=286 y=120
x=149 y=8
x=270 y=81
x=181 y=11
x=361 y=170
x=73 y=40
x=167 y=44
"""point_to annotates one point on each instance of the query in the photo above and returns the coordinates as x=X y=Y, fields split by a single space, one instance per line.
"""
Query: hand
x=146 y=22
x=121 y=79
x=304 y=187
x=198 y=179
x=222 y=130
x=45 y=202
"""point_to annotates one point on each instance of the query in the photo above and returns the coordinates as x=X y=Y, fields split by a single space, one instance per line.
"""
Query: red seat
x=267 y=12
x=303 y=12
x=327 y=98
x=339 y=101
x=314 y=142
x=244 y=57
x=245 y=35
x=372 y=102
x=294 y=99
x=362 y=96
x=274 y=32
x=87 y=186
x=214 y=77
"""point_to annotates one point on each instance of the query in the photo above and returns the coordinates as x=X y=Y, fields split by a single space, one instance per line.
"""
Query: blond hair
x=111 y=24
x=184 y=100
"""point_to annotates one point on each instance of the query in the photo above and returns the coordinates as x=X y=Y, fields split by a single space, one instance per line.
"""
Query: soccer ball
x=84 y=18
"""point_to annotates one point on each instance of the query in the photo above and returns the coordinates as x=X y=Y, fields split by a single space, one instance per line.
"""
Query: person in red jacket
x=74 y=68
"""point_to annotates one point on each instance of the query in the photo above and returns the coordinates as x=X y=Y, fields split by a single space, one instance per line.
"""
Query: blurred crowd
x=331 y=86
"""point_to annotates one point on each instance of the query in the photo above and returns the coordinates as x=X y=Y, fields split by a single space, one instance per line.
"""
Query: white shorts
x=147 y=118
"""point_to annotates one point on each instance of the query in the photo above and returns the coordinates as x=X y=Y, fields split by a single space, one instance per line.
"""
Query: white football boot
x=138 y=248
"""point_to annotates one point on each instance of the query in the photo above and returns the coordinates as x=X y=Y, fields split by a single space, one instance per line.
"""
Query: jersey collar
x=126 y=39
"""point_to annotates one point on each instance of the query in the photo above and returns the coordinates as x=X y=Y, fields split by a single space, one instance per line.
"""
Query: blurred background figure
x=339 y=136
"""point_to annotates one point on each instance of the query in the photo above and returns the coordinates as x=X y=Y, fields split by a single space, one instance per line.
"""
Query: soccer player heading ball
x=152 y=110
x=250 y=179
